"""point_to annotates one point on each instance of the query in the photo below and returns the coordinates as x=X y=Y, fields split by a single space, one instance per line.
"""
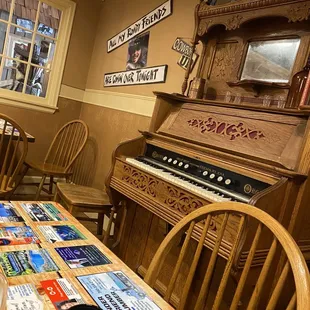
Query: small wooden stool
x=80 y=198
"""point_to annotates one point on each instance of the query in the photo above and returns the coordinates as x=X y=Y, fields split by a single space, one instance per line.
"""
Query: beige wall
x=82 y=43
x=43 y=125
x=117 y=15
x=108 y=127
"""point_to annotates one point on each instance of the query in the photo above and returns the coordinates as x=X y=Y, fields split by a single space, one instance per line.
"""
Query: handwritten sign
x=149 y=75
x=182 y=47
x=140 y=25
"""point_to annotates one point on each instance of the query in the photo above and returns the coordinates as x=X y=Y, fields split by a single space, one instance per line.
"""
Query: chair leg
x=121 y=228
x=23 y=173
x=50 y=190
x=107 y=233
x=100 y=223
x=40 y=187
x=56 y=196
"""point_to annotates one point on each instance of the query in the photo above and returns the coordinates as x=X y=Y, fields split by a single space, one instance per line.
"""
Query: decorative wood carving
x=224 y=61
x=299 y=13
x=234 y=22
x=293 y=10
x=173 y=197
x=229 y=130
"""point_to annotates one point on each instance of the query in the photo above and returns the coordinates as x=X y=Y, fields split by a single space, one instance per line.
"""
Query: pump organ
x=200 y=151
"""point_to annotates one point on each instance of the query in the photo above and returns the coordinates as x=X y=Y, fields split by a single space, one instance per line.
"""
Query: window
x=34 y=38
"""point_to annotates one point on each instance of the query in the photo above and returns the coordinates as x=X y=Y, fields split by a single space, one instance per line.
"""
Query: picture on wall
x=137 y=52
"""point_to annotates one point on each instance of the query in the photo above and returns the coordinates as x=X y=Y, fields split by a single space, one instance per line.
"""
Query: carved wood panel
x=261 y=136
x=224 y=63
x=175 y=199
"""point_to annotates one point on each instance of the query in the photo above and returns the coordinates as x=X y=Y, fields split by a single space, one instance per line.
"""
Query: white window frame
x=49 y=103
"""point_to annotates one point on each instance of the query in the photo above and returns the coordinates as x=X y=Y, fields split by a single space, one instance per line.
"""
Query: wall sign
x=186 y=50
x=140 y=25
x=182 y=47
x=183 y=62
x=150 y=75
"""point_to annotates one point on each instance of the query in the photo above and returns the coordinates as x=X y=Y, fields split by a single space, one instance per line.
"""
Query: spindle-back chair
x=295 y=262
x=13 y=151
x=63 y=152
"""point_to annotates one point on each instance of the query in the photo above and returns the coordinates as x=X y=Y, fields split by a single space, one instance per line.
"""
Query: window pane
x=3 y=28
x=19 y=43
x=13 y=75
x=25 y=13
x=37 y=81
x=5 y=6
x=44 y=51
x=49 y=20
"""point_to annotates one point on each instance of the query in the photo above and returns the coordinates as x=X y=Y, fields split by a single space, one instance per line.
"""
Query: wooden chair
x=13 y=151
x=63 y=152
x=80 y=197
x=294 y=263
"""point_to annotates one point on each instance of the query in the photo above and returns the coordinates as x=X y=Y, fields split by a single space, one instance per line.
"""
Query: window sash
x=49 y=102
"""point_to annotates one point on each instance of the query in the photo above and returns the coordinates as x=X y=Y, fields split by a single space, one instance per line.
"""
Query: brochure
x=114 y=290
x=20 y=263
x=8 y=213
x=61 y=233
x=17 y=235
x=62 y=293
x=82 y=256
x=24 y=297
x=43 y=212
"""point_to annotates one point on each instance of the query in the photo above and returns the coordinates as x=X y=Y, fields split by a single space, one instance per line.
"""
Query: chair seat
x=48 y=169
x=78 y=195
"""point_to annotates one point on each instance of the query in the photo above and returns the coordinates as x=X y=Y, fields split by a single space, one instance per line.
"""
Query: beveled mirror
x=270 y=60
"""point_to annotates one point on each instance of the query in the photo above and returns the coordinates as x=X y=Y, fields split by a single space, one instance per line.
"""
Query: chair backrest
x=13 y=151
x=294 y=262
x=84 y=168
x=67 y=145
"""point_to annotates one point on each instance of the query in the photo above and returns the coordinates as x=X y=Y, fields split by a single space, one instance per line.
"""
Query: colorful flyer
x=43 y=212
x=61 y=233
x=62 y=293
x=20 y=263
x=114 y=290
x=24 y=297
x=82 y=256
x=17 y=235
x=8 y=213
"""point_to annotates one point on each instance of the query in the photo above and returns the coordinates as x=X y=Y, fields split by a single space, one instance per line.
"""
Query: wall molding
x=136 y=104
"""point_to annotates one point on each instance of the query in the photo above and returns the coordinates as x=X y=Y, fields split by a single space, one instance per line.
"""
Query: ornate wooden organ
x=229 y=145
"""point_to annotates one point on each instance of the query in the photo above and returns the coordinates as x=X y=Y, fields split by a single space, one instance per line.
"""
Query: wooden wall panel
x=108 y=128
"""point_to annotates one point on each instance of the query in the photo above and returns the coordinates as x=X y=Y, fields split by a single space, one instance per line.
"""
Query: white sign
x=148 y=75
x=140 y=25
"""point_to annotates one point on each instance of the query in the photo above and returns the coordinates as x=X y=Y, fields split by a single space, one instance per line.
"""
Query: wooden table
x=64 y=269
x=30 y=138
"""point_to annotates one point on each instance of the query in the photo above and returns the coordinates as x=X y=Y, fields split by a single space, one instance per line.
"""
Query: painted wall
x=113 y=120
x=115 y=16
x=43 y=125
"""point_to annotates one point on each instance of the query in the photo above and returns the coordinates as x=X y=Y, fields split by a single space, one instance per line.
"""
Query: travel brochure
x=61 y=233
x=43 y=212
x=82 y=256
x=114 y=290
x=8 y=213
x=17 y=235
x=62 y=293
x=24 y=297
x=21 y=263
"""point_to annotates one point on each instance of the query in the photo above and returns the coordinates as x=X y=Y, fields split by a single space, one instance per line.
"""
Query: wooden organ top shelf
x=200 y=151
